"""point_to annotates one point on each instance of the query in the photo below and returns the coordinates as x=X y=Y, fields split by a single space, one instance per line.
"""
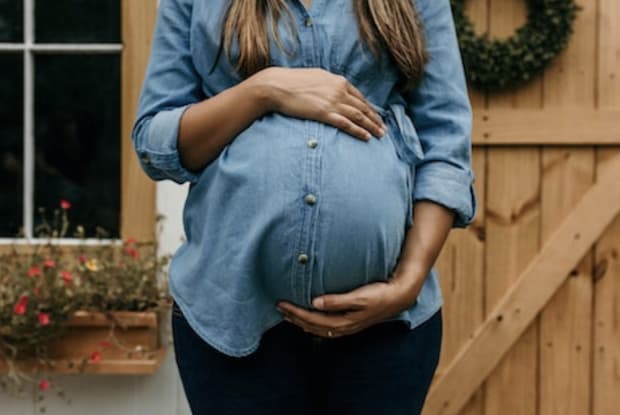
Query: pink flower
x=95 y=357
x=83 y=258
x=49 y=262
x=104 y=344
x=20 y=306
x=44 y=384
x=65 y=204
x=34 y=271
x=44 y=319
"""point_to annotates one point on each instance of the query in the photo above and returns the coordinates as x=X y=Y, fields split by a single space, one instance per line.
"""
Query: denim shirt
x=294 y=208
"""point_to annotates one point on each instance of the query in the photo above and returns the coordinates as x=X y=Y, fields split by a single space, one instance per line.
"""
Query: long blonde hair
x=394 y=24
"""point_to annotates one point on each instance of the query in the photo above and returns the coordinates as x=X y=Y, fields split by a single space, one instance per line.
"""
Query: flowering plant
x=42 y=285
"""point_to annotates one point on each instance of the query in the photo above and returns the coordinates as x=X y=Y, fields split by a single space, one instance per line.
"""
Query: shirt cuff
x=160 y=156
x=449 y=187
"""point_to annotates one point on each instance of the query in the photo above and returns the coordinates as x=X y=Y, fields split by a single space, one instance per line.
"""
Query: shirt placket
x=310 y=181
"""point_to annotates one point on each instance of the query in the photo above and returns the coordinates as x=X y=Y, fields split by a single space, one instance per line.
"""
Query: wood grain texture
x=519 y=306
x=568 y=172
x=606 y=373
x=513 y=226
x=138 y=209
x=553 y=125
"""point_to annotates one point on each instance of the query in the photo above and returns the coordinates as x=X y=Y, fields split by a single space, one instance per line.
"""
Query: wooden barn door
x=532 y=288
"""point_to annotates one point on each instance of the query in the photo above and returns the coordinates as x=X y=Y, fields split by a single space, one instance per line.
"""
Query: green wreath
x=494 y=64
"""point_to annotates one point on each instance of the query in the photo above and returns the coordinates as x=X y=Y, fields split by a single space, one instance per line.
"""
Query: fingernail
x=318 y=303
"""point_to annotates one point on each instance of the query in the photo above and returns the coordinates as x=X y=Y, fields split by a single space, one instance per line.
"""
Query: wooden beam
x=549 y=127
x=544 y=275
x=138 y=208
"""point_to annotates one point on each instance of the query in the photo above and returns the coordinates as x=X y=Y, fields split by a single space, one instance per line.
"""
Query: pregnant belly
x=352 y=232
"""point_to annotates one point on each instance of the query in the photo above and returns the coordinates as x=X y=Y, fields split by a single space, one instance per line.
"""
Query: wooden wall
x=532 y=288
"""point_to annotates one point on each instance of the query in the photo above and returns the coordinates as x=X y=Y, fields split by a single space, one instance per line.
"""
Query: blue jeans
x=385 y=369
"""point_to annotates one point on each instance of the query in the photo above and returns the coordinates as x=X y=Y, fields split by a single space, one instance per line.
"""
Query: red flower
x=104 y=344
x=65 y=204
x=130 y=241
x=132 y=252
x=44 y=384
x=20 y=306
x=83 y=258
x=49 y=262
x=66 y=276
x=44 y=319
x=95 y=357
x=34 y=271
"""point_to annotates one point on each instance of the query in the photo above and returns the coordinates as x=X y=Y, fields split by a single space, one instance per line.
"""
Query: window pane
x=77 y=21
x=11 y=20
x=77 y=139
x=11 y=144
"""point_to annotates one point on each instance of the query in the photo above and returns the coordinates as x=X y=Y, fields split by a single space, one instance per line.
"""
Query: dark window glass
x=77 y=21
x=11 y=20
x=77 y=139
x=11 y=144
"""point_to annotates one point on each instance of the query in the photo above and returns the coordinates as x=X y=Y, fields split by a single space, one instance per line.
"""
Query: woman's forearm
x=208 y=126
x=422 y=246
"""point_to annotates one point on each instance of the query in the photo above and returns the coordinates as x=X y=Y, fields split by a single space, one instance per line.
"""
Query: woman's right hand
x=317 y=94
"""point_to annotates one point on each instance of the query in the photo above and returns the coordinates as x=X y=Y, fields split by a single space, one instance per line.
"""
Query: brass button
x=312 y=143
x=308 y=22
x=310 y=199
x=302 y=258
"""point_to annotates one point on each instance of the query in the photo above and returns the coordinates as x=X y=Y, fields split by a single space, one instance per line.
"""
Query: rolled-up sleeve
x=442 y=114
x=171 y=85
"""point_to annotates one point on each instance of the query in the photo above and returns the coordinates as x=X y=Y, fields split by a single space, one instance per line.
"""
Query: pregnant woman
x=326 y=144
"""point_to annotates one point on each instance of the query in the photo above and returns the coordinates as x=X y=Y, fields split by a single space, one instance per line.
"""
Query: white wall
x=159 y=394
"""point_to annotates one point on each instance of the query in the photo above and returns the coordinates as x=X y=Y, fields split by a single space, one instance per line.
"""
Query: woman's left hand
x=344 y=314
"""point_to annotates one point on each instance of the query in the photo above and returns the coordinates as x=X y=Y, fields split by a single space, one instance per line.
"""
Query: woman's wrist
x=263 y=89
x=407 y=283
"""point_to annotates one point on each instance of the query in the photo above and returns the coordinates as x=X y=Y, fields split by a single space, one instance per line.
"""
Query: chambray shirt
x=294 y=208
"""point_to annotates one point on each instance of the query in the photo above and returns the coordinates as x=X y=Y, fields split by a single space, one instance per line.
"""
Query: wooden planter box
x=85 y=332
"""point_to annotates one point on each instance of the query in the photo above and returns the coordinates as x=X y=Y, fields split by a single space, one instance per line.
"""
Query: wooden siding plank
x=568 y=172
x=518 y=308
x=606 y=373
x=513 y=225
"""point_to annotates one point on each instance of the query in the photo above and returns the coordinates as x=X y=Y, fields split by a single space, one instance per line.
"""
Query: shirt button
x=312 y=143
x=302 y=258
x=308 y=22
x=310 y=199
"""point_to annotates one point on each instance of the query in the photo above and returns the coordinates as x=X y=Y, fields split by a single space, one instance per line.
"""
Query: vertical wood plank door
x=567 y=360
